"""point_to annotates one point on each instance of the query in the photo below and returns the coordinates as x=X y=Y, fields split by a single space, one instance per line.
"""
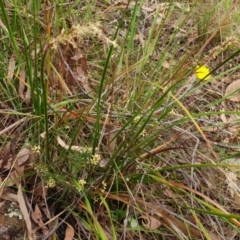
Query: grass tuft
x=115 y=121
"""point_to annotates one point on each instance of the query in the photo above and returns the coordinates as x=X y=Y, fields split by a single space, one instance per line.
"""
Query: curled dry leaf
x=43 y=135
x=232 y=183
x=15 y=124
x=81 y=59
x=69 y=233
x=236 y=202
x=74 y=148
x=36 y=215
x=3 y=27
x=28 y=95
x=23 y=156
x=82 y=78
x=214 y=236
x=14 y=176
x=150 y=222
x=21 y=86
x=233 y=118
x=112 y=140
x=169 y=194
x=37 y=218
x=11 y=67
x=25 y=213
x=10 y=197
x=233 y=91
x=223 y=117
x=5 y=157
x=140 y=37
x=103 y=163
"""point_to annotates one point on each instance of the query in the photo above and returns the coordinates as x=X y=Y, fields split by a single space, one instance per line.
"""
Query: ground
x=108 y=130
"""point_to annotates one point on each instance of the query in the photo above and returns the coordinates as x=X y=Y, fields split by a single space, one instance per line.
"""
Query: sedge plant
x=123 y=114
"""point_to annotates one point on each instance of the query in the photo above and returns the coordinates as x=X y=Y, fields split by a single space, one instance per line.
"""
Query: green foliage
x=135 y=131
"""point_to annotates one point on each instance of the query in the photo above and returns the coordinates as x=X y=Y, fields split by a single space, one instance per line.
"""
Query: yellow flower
x=80 y=185
x=202 y=73
x=95 y=159
x=51 y=183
